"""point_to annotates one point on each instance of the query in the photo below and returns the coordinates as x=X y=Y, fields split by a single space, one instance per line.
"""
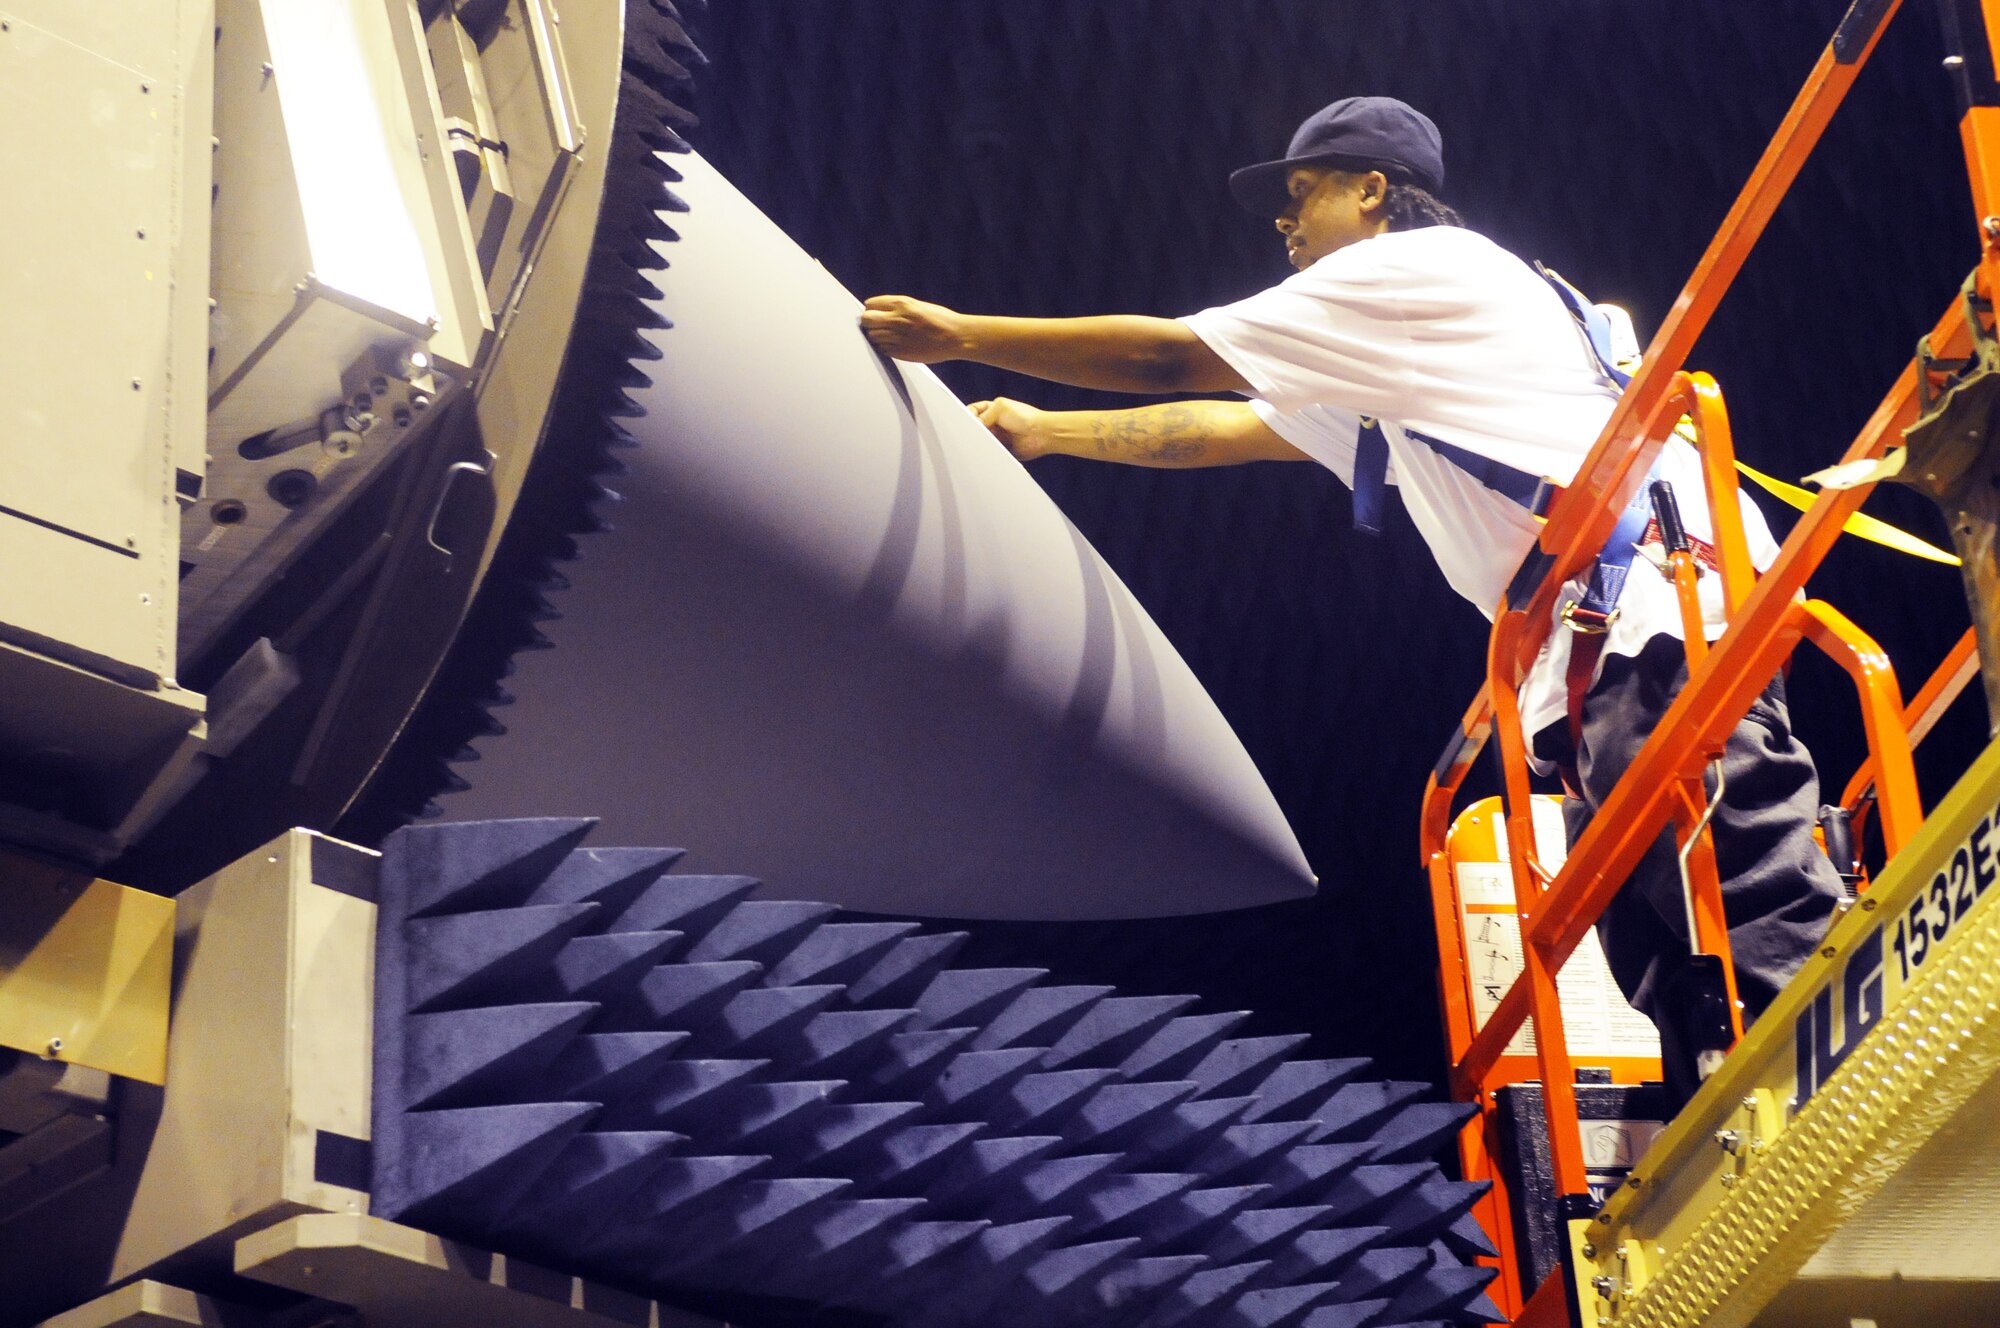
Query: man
x=1406 y=341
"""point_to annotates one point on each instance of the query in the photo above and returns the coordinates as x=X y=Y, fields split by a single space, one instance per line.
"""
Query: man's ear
x=1373 y=187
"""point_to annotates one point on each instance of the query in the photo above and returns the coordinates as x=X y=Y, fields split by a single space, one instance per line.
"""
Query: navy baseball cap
x=1354 y=133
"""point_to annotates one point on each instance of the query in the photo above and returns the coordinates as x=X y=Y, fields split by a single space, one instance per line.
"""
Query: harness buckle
x=1587 y=622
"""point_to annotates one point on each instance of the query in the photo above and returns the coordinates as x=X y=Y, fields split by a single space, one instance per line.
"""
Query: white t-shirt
x=1443 y=332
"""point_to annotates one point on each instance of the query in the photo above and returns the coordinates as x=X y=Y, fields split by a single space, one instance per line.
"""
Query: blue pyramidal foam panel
x=762 y=1110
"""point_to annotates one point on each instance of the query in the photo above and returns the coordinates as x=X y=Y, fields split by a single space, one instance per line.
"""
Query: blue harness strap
x=1371 y=475
x=1607 y=578
x=1614 y=565
x=1588 y=617
x=1596 y=324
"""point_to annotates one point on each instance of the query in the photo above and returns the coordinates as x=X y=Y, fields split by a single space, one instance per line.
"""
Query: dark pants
x=1778 y=889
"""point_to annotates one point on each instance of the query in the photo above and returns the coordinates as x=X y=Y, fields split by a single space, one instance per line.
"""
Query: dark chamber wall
x=1059 y=157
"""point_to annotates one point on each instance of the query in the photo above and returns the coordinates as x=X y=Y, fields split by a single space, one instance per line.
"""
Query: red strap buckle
x=1587 y=622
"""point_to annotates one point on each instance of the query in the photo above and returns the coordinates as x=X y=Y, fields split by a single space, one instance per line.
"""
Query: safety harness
x=1589 y=617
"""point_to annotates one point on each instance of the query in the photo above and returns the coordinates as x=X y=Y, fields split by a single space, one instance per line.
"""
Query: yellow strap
x=1867 y=527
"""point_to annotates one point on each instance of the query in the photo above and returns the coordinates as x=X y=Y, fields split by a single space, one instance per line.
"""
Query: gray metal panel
x=139 y=37
x=78 y=722
x=93 y=150
x=297 y=374
x=841 y=640
x=89 y=602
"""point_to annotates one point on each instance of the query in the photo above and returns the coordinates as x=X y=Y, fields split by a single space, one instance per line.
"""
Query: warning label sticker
x=1596 y=1017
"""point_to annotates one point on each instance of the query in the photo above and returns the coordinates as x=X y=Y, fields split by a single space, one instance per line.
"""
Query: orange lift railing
x=1767 y=618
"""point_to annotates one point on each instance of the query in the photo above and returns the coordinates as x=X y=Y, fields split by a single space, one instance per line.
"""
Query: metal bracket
x=1953 y=462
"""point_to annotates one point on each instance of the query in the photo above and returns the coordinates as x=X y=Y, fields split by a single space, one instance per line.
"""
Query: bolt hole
x=228 y=512
x=289 y=488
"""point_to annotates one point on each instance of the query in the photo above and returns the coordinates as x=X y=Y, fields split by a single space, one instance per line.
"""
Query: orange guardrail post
x=1718 y=463
x=1895 y=773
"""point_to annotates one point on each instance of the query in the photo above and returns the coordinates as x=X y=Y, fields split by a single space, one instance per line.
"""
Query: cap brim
x=1261 y=188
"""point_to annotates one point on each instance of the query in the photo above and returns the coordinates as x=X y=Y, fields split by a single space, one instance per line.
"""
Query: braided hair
x=1409 y=207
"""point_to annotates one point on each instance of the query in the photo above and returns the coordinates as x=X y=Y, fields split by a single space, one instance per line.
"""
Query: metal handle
x=1687 y=885
x=451 y=474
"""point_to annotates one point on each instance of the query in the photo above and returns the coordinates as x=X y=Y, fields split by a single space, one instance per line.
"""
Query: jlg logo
x=1861 y=1009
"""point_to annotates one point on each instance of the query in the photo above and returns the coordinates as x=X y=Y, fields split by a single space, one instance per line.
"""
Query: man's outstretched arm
x=1116 y=352
x=1173 y=434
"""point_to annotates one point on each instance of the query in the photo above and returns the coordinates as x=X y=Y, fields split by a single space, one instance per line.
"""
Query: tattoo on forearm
x=1175 y=431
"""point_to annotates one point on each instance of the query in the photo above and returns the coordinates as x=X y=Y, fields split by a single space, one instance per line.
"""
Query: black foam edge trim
x=343 y=1160
x=342 y=867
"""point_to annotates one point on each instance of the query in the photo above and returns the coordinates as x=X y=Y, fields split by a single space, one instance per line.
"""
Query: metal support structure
x=1950 y=456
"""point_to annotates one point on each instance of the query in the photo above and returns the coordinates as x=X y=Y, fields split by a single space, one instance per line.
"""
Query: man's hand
x=1017 y=424
x=910 y=329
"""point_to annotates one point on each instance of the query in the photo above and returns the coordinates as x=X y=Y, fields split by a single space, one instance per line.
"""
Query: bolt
x=141 y=233
x=1589 y=1250
x=55 y=1046
x=1731 y=1141
x=145 y=87
x=1604 y=1286
x=268 y=71
x=1992 y=227
x=1728 y=1179
x=145 y=599
x=1867 y=904
x=135 y=385
x=1827 y=953
x=1750 y=1103
x=420 y=401
x=1954 y=62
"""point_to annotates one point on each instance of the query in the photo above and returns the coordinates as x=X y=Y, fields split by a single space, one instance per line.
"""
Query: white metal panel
x=137 y=36
x=106 y=108
x=89 y=157
x=93 y=603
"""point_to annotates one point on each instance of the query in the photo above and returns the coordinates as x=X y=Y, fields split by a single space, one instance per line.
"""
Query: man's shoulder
x=1435 y=246
x=1431 y=271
